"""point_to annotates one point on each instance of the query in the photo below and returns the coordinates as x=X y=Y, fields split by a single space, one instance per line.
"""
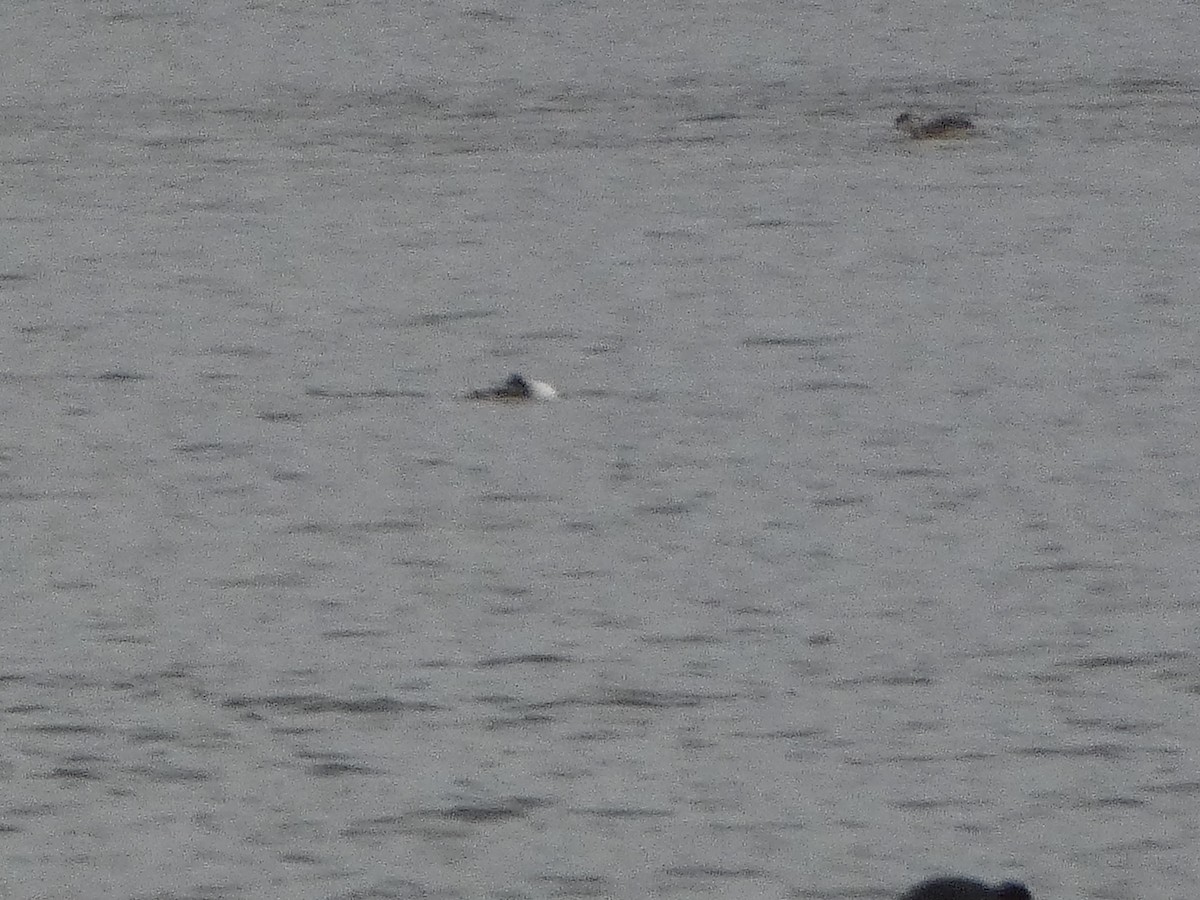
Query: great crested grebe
x=952 y=125
x=518 y=387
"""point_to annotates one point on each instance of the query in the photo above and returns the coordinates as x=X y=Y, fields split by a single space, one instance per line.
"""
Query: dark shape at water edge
x=958 y=888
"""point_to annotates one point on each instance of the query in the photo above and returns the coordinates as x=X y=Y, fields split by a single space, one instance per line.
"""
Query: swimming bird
x=518 y=387
x=953 y=125
x=956 y=888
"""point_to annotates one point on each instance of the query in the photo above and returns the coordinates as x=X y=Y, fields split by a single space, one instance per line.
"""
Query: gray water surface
x=861 y=547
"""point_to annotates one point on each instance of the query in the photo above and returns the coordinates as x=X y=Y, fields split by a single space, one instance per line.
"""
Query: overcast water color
x=862 y=545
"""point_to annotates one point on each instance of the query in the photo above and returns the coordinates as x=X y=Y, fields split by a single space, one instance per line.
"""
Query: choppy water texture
x=862 y=547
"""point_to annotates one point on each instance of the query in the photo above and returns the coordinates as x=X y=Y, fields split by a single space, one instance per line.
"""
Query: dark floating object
x=517 y=388
x=956 y=888
x=948 y=126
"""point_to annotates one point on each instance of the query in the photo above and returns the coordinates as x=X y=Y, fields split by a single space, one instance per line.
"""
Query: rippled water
x=862 y=547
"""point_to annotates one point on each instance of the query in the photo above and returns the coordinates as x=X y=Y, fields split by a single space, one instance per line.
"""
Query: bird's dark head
x=1013 y=890
x=903 y=119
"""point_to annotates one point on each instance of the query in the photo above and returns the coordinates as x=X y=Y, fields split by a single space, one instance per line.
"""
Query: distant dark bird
x=948 y=126
x=955 y=888
x=516 y=388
